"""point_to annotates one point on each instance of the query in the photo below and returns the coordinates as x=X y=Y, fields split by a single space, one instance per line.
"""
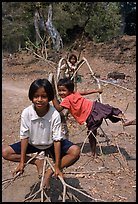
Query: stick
x=41 y=185
x=59 y=67
x=10 y=180
x=121 y=155
x=98 y=142
x=108 y=82
x=126 y=108
x=90 y=172
x=84 y=141
x=95 y=138
x=107 y=139
x=77 y=70
x=97 y=80
x=41 y=189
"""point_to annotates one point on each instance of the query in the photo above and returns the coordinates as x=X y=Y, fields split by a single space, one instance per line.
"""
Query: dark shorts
x=99 y=112
x=65 y=145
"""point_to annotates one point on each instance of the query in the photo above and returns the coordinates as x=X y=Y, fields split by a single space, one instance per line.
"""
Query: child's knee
x=5 y=152
x=75 y=151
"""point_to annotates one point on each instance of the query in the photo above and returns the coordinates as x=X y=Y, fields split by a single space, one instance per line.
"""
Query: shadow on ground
x=107 y=150
x=55 y=194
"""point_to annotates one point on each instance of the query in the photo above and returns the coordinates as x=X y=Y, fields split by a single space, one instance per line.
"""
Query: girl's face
x=63 y=91
x=73 y=60
x=40 y=101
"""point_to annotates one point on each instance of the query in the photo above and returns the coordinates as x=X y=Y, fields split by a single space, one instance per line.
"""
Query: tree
x=128 y=11
x=100 y=21
x=16 y=19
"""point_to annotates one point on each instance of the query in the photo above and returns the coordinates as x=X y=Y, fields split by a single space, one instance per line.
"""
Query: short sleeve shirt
x=41 y=131
x=78 y=106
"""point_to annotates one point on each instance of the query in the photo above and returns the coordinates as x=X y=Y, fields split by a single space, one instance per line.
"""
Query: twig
x=90 y=172
x=84 y=142
x=95 y=138
x=74 y=74
x=6 y=180
x=108 y=82
x=33 y=195
x=121 y=155
x=59 y=67
x=48 y=61
x=75 y=198
x=120 y=196
x=126 y=108
x=98 y=143
x=33 y=188
x=107 y=139
x=10 y=180
x=41 y=189
x=97 y=80
x=42 y=180
x=36 y=54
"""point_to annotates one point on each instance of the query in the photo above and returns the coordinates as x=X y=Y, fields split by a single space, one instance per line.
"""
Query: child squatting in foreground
x=86 y=111
x=40 y=130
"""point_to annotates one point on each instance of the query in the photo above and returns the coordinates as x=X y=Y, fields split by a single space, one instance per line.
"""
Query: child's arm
x=20 y=167
x=91 y=92
x=57 y=105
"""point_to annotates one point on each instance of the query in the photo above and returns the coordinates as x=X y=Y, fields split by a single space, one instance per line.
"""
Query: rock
x=116 y=75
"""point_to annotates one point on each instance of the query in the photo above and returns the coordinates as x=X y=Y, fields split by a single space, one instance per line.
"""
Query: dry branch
x=11 y=180
x=69 y=186
x=65 y=185
x=108 y=82
x=90 y=132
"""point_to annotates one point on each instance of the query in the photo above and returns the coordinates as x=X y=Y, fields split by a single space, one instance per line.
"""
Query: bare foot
x=39 y=164
x=122 y=116
x=93 y=150
x=95 y=155
x=46 y=182
x=129 y=122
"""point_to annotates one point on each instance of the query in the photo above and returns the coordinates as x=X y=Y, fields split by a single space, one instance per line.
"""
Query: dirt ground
x=111 y=176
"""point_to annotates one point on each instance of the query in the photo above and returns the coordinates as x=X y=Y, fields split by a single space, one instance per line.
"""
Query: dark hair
x=72 y=55
x=67 y=82
x=41 y=83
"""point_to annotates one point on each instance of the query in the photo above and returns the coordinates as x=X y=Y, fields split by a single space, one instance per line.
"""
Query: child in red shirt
x=86 y=111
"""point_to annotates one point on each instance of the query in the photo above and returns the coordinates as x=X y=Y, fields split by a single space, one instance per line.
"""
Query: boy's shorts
x=65 y=145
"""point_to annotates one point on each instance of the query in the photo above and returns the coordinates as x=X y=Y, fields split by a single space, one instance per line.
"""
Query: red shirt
x=78 y=106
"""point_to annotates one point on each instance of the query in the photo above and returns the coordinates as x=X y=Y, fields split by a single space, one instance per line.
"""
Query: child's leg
x=71 y=156
x=92 y=141
x=131 y=122
x=125 y=121
x=9 y=154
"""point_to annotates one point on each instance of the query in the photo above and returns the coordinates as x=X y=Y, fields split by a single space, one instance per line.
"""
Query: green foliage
x=100 y=21
x=104 y=23
x=128 y=10
x=69 y=15
x=17 y=24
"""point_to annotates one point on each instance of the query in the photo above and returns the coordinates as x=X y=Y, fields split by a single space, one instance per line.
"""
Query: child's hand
x=19 y=168
x=58 y=172
x=100 y=90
